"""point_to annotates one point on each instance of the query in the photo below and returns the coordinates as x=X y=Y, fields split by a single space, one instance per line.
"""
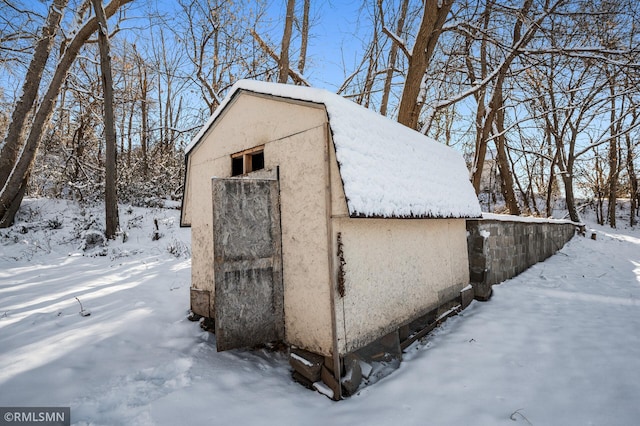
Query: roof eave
x=412 y=216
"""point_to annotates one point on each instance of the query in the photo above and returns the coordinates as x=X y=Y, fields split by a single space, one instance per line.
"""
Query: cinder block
x=353 y=375
x=466 y=296
x=299 y=378
x=306 y=364
x=482 y=291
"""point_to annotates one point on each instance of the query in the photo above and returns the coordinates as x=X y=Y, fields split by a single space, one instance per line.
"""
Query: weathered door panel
x=247 y=262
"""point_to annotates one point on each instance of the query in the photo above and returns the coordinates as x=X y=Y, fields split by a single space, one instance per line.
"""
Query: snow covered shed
x=320 y=223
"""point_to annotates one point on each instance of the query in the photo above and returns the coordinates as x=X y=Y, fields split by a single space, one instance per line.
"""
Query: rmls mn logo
x=40 y=416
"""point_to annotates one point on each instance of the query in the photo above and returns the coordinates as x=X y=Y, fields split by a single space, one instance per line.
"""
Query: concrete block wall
x=500 y=249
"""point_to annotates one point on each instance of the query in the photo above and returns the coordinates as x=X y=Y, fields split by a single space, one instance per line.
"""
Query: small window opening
x=236 y=166
x=247 y=161
x=257 y=161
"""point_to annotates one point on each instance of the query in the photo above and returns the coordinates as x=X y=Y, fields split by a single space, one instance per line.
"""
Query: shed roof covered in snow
x=387 y=169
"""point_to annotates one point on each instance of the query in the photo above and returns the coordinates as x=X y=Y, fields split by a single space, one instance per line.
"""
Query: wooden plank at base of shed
x=328 y=379
x=306 y=363
x=378 y=359
x=430 y=327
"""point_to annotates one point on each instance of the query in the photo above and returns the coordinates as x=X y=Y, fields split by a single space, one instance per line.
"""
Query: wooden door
x=247 y=246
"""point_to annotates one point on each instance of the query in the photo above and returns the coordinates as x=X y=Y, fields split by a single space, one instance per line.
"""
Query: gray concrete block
x=466 y=296
x=306 y=363
x=299 y=378
x=353 y=375
x=482 y=291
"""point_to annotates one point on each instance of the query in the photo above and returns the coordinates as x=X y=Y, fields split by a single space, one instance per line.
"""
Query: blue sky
x=332 y=41
x=332 y=44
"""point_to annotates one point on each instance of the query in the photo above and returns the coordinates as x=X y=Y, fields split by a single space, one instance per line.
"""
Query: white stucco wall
x=294 y=136
x=305 y=253
x=396 y=270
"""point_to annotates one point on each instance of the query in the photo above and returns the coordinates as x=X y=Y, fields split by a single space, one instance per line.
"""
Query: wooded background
x=541 y=96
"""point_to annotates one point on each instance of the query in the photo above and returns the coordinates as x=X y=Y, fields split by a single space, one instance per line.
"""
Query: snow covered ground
x=558 y=345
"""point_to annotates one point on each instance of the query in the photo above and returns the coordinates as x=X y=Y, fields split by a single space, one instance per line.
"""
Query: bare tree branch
x=294 y=75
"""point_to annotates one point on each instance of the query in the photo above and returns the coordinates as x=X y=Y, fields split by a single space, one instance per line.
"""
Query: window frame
x=247 y=157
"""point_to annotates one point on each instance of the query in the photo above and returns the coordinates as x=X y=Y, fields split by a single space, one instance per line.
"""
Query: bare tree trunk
x=143 y=83
x=633 y=182
x=552 y=178
x=283 y=63
x=503 y=163
x=166 y=117
x=612 y=182
x=130 y=132
x=297 y=78
x=598 y=190
x=552 y=169
x=393 y=56
x=12 y=209
x=570 y=198
x=304 y=36
x=144 y=132
x=11 y=194
x=566 y=172
x=528 y=194
x=15 y=133
x=566 y=164
x=373 y=54
x=480 y=97
x=110 y=194
x=495 y=104
x=78 y=147
x=433 y=18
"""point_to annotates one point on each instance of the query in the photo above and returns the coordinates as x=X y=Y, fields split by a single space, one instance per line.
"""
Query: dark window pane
x=236 y=166
x=257 y=161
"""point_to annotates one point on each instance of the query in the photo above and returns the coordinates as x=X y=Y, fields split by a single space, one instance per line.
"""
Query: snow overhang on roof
x=388 y=170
